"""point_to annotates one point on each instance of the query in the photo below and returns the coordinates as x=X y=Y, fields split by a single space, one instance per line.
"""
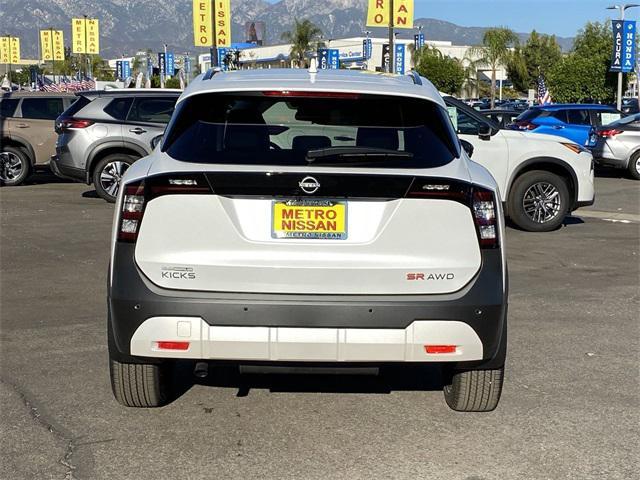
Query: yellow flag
x=93 y=36
x=222 y=9
x=58 y=45
x=9 y=50
x=78 y=35
x=202 y=23
x=46 y=45
x=52 y=45
x=378 y=13
x=403 y=17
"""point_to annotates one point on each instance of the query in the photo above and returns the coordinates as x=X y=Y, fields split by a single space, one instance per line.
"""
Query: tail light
x=481 y=201
x=483 y=207
x=67 y=123
x=524 y=125
x=136 y=196
x=609 y=133
x=133 y=203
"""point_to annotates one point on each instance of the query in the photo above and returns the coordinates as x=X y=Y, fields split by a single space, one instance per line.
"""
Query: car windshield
x=281 y=128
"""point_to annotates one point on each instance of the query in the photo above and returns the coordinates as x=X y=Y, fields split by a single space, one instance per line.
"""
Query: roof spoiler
x=211 y=72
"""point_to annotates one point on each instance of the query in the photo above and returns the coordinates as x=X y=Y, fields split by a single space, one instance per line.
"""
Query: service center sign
x=624 y=46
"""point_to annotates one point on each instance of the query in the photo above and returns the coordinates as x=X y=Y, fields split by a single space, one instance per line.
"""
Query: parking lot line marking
x=609 y=216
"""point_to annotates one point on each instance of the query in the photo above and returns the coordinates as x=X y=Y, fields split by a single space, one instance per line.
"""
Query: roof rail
x=415 y=77
x=211 y=72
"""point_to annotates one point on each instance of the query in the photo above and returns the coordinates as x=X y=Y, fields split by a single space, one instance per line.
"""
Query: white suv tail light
x=136 y=196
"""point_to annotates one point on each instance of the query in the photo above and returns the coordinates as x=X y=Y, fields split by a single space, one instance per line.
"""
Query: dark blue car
x=577 y=122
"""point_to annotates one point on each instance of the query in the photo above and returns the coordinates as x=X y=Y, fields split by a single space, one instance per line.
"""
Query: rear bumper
x=280 y=327
x=64 y=171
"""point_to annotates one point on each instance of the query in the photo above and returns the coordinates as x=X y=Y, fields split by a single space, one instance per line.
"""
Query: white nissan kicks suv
x=293 y=217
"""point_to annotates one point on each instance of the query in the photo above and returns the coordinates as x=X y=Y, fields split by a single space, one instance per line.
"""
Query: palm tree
x=303 y=39
x=494 y=52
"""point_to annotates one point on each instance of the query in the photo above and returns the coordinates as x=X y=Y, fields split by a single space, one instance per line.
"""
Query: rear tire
x=139 y=384
x=539 y=201
x=108 y=174
x=634 y=166
x=15 y=166
x=474 y=390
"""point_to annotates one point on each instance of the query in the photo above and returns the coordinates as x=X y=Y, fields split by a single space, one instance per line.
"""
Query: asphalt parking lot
x=570 y=405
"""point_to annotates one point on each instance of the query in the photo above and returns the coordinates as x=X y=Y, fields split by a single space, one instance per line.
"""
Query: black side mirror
x=484 y=132
x=467 y=147
x=155 y=141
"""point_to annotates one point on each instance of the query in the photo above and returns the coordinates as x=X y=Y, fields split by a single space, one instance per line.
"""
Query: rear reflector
x=440 y=348
x=172 y=345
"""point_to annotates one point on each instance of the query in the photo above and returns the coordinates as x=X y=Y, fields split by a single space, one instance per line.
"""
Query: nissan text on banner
x=9 y=50
x=378 y=13
x=222 y=9
x=624 y=46
x=52 y=45
x=85 y=35
x=202 y=23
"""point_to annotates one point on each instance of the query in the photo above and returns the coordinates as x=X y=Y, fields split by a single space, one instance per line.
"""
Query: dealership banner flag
x=202 y=23
x=400 y=58
x=378 y=13
x=323 y=58
x=52 y=45
x=85 y=35
x=623 y=58
x=223 y=23
x=9 y=50
x=93 y=36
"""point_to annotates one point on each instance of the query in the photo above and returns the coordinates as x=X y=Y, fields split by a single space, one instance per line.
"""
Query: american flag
x=65 y=85
x=544 y=97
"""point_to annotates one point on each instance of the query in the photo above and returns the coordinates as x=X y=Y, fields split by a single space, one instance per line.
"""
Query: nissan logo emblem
x=309 y=185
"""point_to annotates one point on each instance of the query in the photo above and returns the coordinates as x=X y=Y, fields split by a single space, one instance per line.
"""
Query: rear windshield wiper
x=353 y=154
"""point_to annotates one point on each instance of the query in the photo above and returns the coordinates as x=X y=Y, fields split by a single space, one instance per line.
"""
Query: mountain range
x=127 y=26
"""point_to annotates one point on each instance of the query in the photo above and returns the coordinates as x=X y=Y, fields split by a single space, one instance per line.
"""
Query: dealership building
x=351 y=53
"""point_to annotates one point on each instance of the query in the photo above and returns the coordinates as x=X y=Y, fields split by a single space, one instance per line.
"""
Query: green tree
x=536 y=57
x=304 y=39
x=584 y=75
x=447 y=74
x=495 y=52
x=578 y=79
x=173 y=82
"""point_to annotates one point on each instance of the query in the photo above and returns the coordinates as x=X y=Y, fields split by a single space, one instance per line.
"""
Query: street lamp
x=622 y=8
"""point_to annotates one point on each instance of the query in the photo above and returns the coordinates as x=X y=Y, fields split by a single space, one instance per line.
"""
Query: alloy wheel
x=111 y=176
x=10 y=166
x=542 y=202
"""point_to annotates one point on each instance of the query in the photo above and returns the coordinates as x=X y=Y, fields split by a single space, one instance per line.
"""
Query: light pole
x=622 y=8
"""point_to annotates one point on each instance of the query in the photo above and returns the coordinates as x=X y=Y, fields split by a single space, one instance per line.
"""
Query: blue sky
x=561 y=17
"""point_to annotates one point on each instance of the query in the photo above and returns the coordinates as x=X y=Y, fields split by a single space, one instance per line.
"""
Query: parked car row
x=92 y=137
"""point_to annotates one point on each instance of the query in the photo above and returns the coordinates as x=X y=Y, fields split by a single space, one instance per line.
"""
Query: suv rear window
x=76 y=106
x=272 y=128
x=42 y=108
x=8 y=106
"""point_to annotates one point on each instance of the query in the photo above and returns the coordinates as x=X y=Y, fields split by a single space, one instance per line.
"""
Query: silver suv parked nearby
x=104 y=132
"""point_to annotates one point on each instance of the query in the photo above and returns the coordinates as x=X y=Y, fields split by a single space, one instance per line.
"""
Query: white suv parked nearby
x=295 y=217
x=542 y=178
